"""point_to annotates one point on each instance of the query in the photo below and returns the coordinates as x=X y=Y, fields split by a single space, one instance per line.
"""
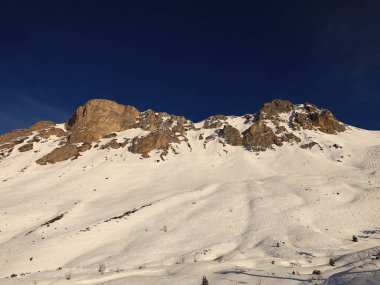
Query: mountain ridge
x=273 y=125
x=166 y=201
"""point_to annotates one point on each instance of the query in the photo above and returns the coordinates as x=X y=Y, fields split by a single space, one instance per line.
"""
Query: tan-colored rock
x=34 y=139
x=220 y=117
x=273 y=109
x=214 y=122
x=13 y=142
x=114 y=144
x=47 y=133
x=42 y=125
x=111 y=135
x=26 y=147
x=303 y=120
x=98 y=118
x=155 y=140
x=289 y=137
x=327 y=123
x=309 y=145
x=7 y=146
x=84 y=147
x=13 y=135
x=177 y=124
x=59 y=154
x=232 y=135
x=260 y=137
x=322 y=120
x=150 y=121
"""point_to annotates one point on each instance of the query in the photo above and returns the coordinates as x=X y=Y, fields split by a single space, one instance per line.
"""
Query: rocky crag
x=277 y=123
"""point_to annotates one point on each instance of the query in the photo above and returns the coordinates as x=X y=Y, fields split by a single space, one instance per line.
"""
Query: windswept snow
x=235 y=216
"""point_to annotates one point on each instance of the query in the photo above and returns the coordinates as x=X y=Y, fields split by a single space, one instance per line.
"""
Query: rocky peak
x=310 y=117
x=214 y=122
x=43 y=125
x=99 y=117
x=304 y=116
x=277 y=122
x=272 y=109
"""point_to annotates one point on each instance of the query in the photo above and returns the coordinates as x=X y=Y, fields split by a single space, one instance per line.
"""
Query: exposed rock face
x=98 y=118
x=273 y=109
x=309 y=145
x=114 y=144
x=150 y=121
x=26 y=147
x=307 y=116
x=314 y=118
x=84 y=147
x=276 y=123
x=10 y=140
x=47 y=133
x=214 y=122
x=260 y=137
x=16 y=135
x=60 y=154
x=43 y=129
x=42 y=125
x=154 y=140
x=232 y=135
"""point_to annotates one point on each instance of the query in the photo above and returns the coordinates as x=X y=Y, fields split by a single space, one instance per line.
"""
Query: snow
x=218 y=211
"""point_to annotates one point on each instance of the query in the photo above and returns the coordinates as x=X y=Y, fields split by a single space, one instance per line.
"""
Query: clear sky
x=191 y=58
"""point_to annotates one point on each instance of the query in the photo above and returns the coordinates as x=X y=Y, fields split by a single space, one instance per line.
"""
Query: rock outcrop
x=260 y=137
x=99 y=120
x=26 y=147
x=156 y=140
x=312 y=118
x=43 y=129
x=42 y=125
x=272 y=110
x=65 y=152
x=214 y=122
x=232 y=135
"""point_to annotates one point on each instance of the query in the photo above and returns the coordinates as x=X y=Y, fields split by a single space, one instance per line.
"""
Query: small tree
x=68 y=276
x=354 y=239
x=101 y=268
x=332 y=262
x=204 y=281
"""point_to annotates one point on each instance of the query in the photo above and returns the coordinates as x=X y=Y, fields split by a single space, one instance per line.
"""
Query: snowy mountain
x=120 y=196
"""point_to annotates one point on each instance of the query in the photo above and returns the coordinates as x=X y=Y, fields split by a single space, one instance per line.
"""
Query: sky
x=190 y=58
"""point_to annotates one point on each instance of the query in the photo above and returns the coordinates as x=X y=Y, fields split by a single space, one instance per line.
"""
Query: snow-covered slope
x=212 y=209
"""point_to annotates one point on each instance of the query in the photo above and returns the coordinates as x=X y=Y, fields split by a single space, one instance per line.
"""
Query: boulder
x=65 y=152
x=232 y=135
x=26 y=147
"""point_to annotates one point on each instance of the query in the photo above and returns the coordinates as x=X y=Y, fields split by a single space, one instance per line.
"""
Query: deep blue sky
x=191 y=58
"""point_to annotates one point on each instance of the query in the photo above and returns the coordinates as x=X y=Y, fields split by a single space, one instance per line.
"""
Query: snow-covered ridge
x=277 y=123
x=209 y=204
